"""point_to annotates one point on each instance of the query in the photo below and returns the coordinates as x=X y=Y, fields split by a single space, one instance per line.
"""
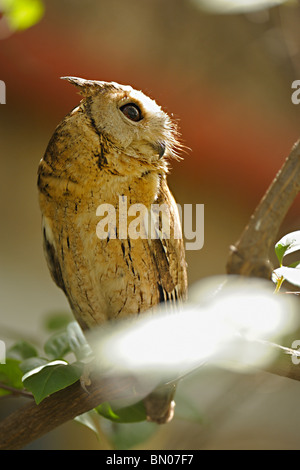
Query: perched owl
x=114 y=146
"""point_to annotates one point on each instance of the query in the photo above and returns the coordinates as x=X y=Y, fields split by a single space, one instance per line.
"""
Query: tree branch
x=250 y=255
x=33 y=421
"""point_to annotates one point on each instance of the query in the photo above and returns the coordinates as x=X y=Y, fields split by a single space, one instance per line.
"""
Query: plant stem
x=279 y=284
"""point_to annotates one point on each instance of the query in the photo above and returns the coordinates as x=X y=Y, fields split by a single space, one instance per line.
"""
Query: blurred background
x=224 y=69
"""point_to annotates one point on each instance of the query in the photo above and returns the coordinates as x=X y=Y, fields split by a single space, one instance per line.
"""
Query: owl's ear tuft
x=85 y=87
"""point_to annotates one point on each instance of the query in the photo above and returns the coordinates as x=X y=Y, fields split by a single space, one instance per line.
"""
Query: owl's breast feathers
x=112 y=278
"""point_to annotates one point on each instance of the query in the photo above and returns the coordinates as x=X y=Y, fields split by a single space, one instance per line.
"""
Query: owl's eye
x=132 y=112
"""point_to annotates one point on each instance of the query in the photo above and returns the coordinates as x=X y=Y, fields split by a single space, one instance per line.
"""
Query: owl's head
x=132 y=121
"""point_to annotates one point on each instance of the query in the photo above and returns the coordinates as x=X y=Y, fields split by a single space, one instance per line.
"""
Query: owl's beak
x=160 y=148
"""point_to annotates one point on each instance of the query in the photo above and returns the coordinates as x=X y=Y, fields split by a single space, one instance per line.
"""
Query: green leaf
x=32 y=363
x=130 y=414
x=125 y=436
x=71 y=339
x=287 y=244
x=77 y=341
x=21 y=350
x=87 y=419
x=50 y=378
x=57 y=346
x=21 y=14
x=107 y=412
x=280 y=250
x=11 y=374
x=57 y=321
x=291 y=275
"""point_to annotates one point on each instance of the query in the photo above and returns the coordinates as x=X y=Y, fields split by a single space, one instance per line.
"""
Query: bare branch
x=250 y=255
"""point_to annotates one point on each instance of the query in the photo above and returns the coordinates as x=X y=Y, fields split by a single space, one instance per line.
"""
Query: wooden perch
x=250 y=255
x=33 y=421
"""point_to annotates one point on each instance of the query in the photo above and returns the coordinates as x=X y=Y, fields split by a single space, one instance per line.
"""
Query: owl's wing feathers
x=169 y=258
x=51 y=256
x=168 y=253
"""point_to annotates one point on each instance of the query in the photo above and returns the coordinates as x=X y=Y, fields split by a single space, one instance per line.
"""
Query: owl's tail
x=160 y=404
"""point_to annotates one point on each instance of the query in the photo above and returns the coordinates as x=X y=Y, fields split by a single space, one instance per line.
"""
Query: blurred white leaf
x=291 y=275
x=236 y=6
x=225 y=315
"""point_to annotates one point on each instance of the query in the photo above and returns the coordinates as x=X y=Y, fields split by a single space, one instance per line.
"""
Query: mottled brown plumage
x=114 y=144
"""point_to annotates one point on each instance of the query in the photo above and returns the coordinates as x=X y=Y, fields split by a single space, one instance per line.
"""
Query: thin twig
x=15 y=391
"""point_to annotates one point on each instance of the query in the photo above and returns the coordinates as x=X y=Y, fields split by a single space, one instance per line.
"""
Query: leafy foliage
x=45 y=374
x=60 y=364
x=51 y=377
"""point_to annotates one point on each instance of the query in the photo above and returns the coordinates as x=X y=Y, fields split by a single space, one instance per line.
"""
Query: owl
x=114 y=146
